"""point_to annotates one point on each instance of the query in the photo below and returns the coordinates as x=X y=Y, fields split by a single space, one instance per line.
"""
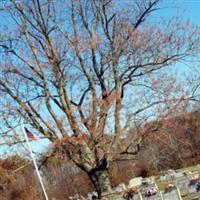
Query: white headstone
x=120 y=188
x=135 y=182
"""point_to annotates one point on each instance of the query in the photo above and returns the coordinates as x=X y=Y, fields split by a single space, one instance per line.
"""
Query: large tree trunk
x=101 y=181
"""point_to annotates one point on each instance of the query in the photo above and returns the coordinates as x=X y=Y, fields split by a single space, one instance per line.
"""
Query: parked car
x=150 y=191
x=198 y=186
x=194 y=181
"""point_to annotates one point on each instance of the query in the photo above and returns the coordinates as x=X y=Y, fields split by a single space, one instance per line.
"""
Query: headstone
x=163 y=177
x=91 y=194
x=145 y=181
x=135 y=182
x=178 y=175
x=152 y=180
x=120 y=188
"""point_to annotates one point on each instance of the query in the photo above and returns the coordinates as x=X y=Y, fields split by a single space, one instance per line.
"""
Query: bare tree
x=72 y=68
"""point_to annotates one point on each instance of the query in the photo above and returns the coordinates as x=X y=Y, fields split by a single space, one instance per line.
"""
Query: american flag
x=31 y=135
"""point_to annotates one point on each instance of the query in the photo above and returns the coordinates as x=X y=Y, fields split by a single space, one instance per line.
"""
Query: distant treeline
x=175 y=144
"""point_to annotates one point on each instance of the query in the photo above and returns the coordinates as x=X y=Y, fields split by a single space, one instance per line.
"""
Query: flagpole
x=34 y=162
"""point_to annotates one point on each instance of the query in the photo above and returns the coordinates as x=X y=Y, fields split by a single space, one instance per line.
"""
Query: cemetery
x=99 y=99
x=182 y=184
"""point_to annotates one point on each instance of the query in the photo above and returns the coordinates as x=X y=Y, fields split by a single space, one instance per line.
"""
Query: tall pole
x=34 y=162
x=140 y=195
x=178 y=192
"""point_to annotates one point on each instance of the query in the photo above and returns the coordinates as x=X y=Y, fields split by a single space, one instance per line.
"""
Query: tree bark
x=101 y=181
x=100 y=178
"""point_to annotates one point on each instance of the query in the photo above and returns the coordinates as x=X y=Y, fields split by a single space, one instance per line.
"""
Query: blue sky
x=185 y=9
x=175 y=7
